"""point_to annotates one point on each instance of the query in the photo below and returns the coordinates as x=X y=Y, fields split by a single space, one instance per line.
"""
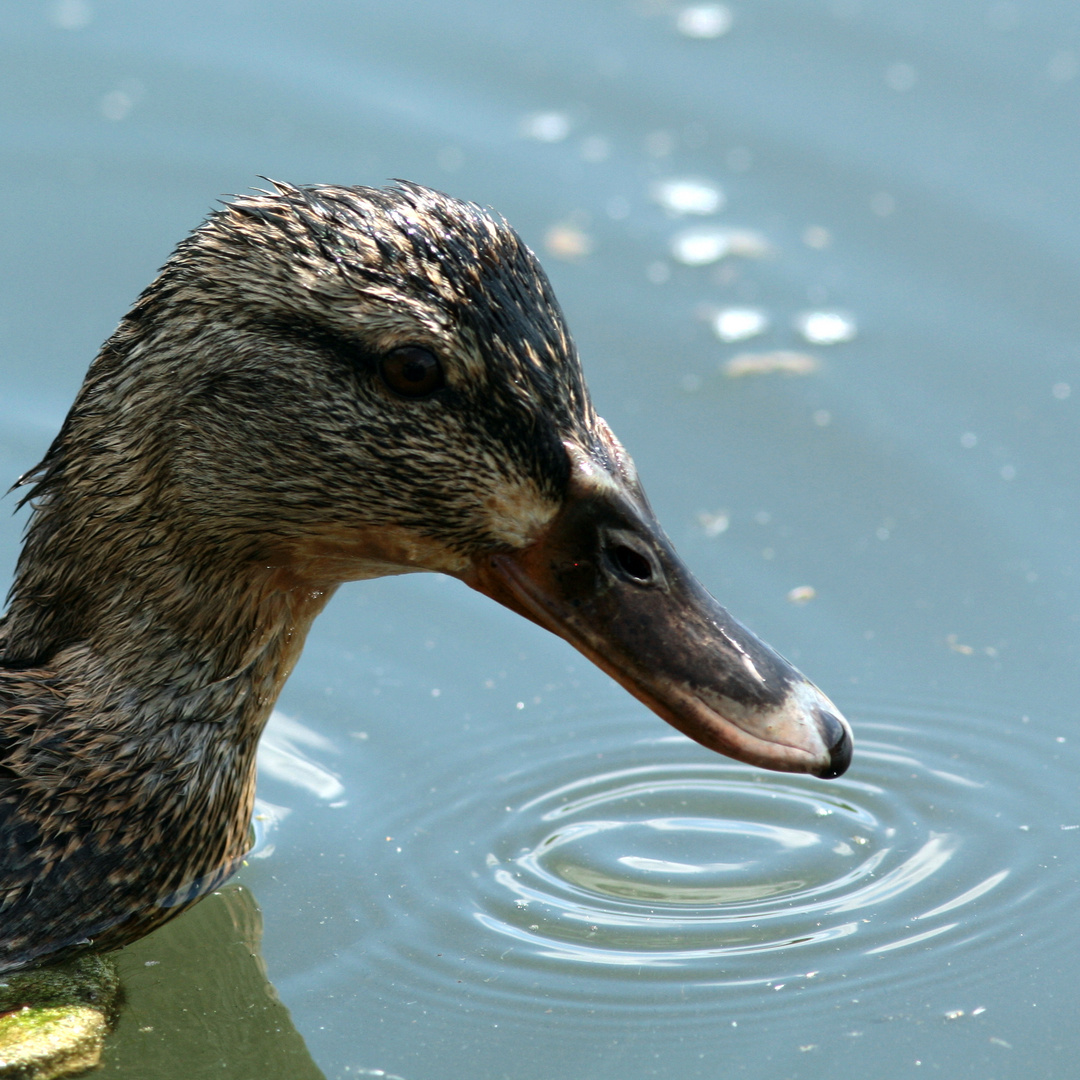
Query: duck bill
x=605 y=577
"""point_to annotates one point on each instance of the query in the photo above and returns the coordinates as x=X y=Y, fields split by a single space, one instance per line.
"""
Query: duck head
x=327 y=384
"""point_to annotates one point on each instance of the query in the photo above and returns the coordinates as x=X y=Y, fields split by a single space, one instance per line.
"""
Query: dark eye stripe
x=412 y=372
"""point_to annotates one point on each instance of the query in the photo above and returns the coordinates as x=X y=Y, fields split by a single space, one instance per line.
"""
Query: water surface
x=821 y=260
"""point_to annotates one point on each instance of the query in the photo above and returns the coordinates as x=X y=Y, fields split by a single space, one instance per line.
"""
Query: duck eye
x=412 y=372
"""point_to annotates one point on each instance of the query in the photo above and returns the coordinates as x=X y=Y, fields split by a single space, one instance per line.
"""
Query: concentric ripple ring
x=673 y=865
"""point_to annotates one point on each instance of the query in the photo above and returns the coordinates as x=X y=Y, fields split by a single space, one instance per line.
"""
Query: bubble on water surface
x=699 y=247
x=716 y=523
x=702 y=246
x=704 y=20
x=70 y=14
x=826 y=327
x=738 y=324
x=549 y=127
x=689 y=196
x=816 y=236
x=567 y=242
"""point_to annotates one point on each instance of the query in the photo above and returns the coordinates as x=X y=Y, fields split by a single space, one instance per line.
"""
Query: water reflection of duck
x=323 y=384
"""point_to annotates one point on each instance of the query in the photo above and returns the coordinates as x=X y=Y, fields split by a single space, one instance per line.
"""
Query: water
x=479 y=856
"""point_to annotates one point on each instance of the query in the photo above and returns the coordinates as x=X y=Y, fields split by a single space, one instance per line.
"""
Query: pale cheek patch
x=517 y=513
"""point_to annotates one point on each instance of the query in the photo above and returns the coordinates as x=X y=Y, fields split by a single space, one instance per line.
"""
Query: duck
x=323 y=384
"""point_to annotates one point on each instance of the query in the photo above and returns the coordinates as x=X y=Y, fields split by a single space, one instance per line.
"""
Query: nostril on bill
x=630 y=563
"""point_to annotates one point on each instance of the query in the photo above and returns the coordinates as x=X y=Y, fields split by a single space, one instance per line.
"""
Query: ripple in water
x=671 y=865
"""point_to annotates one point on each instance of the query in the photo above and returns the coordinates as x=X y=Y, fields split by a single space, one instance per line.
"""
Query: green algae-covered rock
x=55 y=1018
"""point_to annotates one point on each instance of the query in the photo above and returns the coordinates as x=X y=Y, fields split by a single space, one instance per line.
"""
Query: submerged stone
x=54 y=1019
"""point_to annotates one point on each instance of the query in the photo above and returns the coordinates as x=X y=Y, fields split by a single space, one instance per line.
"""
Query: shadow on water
x=199 y=1003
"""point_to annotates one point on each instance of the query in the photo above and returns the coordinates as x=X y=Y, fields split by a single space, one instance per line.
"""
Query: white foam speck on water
x=715 y=524
x=826 y=327
x=767 y=363
x=566 y=241
x=689 y=196
x=817 y=237
x=700 y=247
x=70 y=14
x=704 y=245
x=549 y=127
x=738 y=324
x=704 y=20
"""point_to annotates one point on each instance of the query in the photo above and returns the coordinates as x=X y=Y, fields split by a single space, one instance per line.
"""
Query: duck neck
x=150 y=627
x=141 y=670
